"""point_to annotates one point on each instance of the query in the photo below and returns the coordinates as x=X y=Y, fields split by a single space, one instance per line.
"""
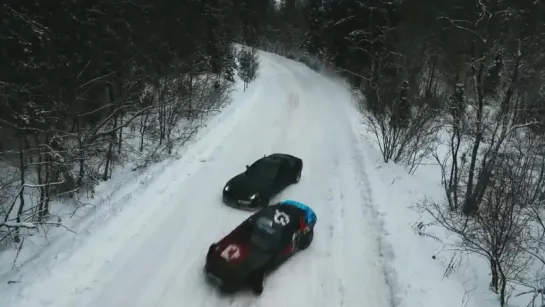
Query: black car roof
x=279 y=156
x=276 y=160
x=266 y=161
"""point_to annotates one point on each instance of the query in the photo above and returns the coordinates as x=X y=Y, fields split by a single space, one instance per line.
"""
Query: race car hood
x=232 y=261
x=243 y=186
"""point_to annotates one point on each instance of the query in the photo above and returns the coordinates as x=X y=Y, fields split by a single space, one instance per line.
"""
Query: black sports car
x=262 y=180
x=259 y=245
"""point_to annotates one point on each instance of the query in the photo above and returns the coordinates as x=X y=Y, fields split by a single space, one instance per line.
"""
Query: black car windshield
x=263 y=169
x=264 y=235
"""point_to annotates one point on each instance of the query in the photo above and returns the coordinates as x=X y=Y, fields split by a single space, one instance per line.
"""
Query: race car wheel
x=257 y=281
x=258 y=288
x=306 y=239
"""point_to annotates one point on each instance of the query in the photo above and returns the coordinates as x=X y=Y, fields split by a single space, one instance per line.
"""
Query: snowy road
x=152 y=254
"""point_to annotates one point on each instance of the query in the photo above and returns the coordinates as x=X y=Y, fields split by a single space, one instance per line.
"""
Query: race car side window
x=263 y=221
x=265 y=236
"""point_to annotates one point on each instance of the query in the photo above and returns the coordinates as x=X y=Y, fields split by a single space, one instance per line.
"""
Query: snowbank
x=421 y=257
x=78 y=219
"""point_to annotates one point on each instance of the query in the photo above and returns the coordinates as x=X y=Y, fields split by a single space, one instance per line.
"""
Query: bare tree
x=403 y=124
x=507 y=229
x=408 y=145
x=533 y=150
x=497 y=233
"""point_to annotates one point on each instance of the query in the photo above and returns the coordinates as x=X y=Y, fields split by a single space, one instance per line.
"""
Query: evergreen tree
x=313 y=39
x=248 y=63
x=230 y=64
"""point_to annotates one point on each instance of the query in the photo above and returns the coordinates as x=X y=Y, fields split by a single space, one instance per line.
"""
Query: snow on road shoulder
x=372 y=239
x=116 y=197
x=419 y=278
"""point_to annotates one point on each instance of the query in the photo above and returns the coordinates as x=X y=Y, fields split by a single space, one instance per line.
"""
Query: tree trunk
x=39 y=171
x=120 y=137
x=22 y=165
x=470 y=205
x=503 y=286
x=453 y=180
x=47 y=180
x=494 y=282
x=81 y=154
x=107 y=174
x=429 y=86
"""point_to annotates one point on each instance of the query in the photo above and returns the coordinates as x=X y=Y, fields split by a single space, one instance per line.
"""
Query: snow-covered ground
x=151 y=253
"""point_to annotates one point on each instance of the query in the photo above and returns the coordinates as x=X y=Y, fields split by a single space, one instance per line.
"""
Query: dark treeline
x=84 y=85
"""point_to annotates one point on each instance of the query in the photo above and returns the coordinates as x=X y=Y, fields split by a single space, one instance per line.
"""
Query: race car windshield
x=263 y=169
x=264 y=235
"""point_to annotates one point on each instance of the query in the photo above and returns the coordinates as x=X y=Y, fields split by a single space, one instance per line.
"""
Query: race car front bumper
x=214 y=279
x=225 y=284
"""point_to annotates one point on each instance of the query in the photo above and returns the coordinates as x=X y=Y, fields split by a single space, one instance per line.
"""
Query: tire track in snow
x=338 y=205
x=386 y=251
x=294 y=283
x=321 y=189
x=363 y=226
x=286 y=121
x=337 y=212
x=328 y=242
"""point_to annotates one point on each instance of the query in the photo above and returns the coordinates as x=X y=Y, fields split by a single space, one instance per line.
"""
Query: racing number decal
x=231 y=252
x=281 y=218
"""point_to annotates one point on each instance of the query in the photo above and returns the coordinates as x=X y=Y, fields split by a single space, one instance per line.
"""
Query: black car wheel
x=306 y=239
x=298 y=173
x=227 y=289
x=263 y=201
x=297 y=177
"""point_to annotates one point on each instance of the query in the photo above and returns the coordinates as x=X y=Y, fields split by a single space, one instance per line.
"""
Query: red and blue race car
x=259 y=245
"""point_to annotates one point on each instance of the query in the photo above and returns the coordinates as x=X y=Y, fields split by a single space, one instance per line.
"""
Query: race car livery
x=264 y=179
x=310 y=216
x=259 y=245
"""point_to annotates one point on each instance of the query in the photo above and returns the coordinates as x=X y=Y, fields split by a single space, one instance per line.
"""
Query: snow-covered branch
x=17 y=225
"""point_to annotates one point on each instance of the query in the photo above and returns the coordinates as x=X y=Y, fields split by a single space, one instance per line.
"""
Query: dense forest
x=89 y=85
